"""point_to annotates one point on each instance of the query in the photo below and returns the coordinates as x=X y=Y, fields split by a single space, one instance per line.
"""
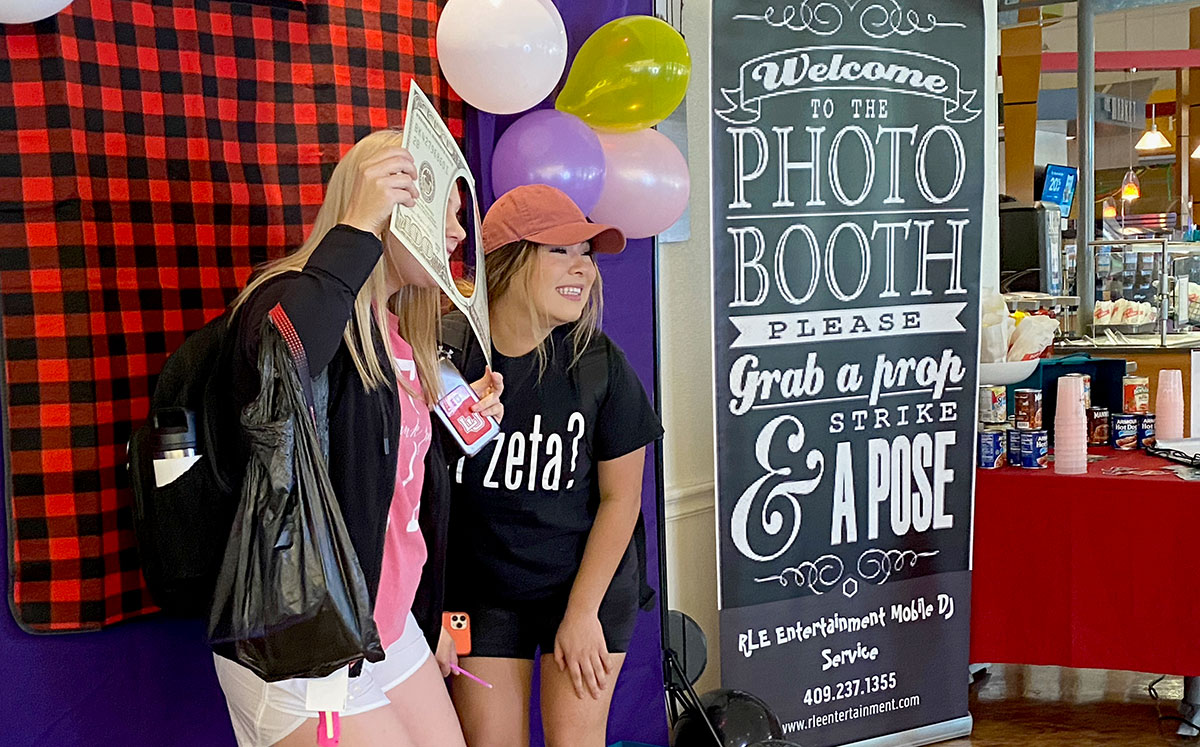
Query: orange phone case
x=459 y=625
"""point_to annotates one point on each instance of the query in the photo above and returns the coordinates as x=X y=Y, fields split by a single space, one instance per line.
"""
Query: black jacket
x=363 y=426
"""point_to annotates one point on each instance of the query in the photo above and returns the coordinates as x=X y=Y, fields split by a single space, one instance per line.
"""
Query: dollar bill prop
x=422 y=228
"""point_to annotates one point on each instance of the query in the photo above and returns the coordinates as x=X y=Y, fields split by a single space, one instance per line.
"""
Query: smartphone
x=459 y=625
x=471 y=430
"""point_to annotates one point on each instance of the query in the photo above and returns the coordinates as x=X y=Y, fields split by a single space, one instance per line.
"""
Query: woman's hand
x=580 y=650
x=446 y=654
x=489 y=389
x=390 y=177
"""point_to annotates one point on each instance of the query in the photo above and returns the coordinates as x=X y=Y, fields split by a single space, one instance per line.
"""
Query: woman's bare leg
x=499 y=716
x=567 y=719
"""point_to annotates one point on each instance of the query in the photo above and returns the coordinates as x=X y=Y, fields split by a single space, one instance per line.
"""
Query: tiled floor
x=1019 y=705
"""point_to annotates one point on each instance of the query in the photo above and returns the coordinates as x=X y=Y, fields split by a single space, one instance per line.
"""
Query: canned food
x=993 y=404
x=1029 y=409
x=1097 y=423
x=991 y=449
x=1035 y=449
x=1014 y=446
x=1123 y=431
x=1087 y=388
x=1146 y=430
x=1136 y=397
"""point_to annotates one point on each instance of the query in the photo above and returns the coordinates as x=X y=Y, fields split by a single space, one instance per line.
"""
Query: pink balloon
x=646 y=183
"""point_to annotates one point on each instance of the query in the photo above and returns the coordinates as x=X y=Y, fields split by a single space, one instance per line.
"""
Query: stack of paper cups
x=1070 y=428
x=1168 y=404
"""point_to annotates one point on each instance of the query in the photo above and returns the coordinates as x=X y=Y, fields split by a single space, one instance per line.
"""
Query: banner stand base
x=952 y=729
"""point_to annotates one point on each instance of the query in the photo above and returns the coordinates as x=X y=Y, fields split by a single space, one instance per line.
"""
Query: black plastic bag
x=290 y=600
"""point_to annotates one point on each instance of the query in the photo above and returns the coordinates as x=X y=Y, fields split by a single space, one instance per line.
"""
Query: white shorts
x=265 y=712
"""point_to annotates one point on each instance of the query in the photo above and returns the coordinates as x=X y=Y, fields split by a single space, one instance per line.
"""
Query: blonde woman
x=541 y=556
x=366 y=313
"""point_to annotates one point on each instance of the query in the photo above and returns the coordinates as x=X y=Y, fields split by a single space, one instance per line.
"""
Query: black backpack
x=591 y=374
x=182 y=526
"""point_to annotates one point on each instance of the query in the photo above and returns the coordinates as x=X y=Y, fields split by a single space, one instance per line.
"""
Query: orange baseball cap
x=545 y=215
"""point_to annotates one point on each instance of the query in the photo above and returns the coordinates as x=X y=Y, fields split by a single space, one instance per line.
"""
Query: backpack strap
x=591 y=375
x=456 y=337
x=646 y=593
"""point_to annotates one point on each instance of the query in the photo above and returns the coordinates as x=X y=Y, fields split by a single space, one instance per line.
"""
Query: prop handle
x=329 y=729
x=468 y=675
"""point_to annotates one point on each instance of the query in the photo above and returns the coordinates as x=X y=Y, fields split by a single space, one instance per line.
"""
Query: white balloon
x=502 y=56
x=28 y=11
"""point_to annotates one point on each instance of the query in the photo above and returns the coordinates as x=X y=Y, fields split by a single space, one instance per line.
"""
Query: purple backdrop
x=639 y=710
x=152 y=681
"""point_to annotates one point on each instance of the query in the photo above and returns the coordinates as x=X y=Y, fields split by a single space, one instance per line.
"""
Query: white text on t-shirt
x=519 y=459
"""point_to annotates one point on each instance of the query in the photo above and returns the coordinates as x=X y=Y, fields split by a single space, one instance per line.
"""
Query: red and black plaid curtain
x=151 y=153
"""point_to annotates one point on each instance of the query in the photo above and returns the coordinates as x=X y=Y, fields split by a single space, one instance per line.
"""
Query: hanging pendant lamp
x=1131 y=188
x=1152 y=139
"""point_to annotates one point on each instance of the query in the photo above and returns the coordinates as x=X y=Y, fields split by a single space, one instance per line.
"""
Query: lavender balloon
x=554 y=148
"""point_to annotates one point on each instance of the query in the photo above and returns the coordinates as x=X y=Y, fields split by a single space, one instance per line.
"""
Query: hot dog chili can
x=1014 y=447
x=1146 y=430
x=1087 y=388
x=1035 y=449
x=993 y=404
x=1029 y=409
x=1123 y=431
x=1136 y=397
x=1097 y=424
x=991 y=449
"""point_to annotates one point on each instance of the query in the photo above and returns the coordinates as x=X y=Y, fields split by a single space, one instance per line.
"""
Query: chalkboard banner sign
x=847 y=197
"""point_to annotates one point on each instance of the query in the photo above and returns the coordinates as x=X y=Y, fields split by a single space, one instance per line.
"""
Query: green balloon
x=629 y=75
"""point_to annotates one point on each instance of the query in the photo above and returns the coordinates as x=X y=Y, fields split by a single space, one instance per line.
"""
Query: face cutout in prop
x=422 y=228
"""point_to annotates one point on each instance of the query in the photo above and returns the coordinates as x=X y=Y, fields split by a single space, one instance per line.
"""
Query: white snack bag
x=1033 y=335
x=997 y=328
x=993 y=344
x=1120 y=311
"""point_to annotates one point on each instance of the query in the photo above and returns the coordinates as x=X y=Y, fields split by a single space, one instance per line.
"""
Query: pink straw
x=459 y=670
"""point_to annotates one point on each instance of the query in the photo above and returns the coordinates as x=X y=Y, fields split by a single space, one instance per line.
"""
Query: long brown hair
x=416 y=308
x=510 y=269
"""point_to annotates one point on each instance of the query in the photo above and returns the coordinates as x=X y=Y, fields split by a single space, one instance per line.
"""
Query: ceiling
x=1155 y=26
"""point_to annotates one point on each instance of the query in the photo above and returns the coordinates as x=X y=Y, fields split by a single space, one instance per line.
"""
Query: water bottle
x=173 y=433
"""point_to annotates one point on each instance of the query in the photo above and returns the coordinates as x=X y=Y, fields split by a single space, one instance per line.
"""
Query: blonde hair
x=510 y=269
x=417 y=308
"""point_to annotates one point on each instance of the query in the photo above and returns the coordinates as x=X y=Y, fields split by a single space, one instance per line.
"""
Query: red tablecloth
x=1089 y=571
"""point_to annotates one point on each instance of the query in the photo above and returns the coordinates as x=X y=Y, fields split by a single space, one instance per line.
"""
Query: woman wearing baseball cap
x=541 y=555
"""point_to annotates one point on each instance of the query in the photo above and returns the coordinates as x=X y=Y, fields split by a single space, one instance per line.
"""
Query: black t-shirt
x=523 y=506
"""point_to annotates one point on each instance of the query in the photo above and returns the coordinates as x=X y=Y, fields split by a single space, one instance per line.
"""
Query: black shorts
x=517 y=629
